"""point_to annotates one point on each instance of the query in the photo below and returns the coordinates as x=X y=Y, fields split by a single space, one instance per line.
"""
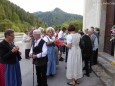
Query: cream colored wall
x=92 y=13
x=102 y=25
x=95 y=15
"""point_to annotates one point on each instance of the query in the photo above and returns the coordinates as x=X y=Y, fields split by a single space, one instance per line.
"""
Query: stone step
x=106 y=56
x=104 y=77
x=105 y=71
x=107 y=66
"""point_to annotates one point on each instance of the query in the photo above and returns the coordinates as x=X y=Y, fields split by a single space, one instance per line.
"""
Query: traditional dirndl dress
x=10 y=74
x=51 y=67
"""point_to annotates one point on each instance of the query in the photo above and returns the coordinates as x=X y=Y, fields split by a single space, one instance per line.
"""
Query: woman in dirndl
x=50 y=41
x=74 y=61
x=10 y=74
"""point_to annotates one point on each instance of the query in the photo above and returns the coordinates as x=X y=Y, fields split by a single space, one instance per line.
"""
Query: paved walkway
x=58 y=80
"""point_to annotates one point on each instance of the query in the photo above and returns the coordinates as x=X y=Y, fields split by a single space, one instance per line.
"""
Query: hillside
x=12 y=16
x=57 y=17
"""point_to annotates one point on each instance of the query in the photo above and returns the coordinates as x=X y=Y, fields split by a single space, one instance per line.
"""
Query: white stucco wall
x=95 y=15
x=92 y=13
x=102 y=25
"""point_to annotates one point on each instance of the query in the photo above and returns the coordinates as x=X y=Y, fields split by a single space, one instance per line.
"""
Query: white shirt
x=44 y=49
x=48 y=39
x=26 y=38
x=45 y=38
x=27 y=41
x=69 y=39
x=60 y=34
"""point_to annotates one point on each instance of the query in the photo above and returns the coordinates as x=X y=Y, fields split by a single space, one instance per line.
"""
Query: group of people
x=89 y=47
x=45 y=47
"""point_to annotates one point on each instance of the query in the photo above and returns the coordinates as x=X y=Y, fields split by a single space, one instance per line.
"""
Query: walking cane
x=33 y=63
x=33 y=72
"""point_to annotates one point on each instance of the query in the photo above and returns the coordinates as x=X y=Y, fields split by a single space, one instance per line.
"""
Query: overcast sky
x=70 y=6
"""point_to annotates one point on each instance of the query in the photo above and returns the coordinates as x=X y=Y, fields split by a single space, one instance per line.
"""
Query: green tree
x=15 y=18
x=77 y=23
x=2 y=12
x=5 y=24
x=12 y=16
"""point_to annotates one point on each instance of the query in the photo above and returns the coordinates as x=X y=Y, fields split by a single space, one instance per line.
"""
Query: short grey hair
x=37 y=32
x=90 y=29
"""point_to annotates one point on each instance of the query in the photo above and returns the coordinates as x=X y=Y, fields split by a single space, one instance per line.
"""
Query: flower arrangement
x=112 y=33
x=113 y=39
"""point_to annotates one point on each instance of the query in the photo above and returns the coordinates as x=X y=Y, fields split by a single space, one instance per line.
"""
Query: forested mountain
x=57 y=17
x=12 y=16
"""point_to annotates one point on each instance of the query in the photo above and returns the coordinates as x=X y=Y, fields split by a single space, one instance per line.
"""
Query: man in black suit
x=39 y=54
x=86 y=48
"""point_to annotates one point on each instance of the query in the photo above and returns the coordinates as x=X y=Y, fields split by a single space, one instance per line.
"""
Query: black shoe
x=27 y=57
x=51 y=75
x=87 y=75
x=95 y=63
x=84 y=68
x=61 y=59
x=90 y=70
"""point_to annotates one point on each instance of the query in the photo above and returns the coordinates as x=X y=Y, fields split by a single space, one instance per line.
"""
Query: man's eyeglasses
x=12 y=35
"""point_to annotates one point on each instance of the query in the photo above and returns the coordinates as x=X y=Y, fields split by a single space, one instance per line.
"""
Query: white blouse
x=69 y=39
x=48 y=39
x=27 y=41
x=60 y=34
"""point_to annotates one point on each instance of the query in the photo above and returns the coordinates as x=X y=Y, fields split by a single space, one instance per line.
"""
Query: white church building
x=101 y=14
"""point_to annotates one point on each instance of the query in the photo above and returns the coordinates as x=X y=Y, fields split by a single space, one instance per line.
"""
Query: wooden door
x=110 y=21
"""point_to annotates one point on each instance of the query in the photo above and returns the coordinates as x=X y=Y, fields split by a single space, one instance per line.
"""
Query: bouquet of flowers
x=59 y=43
x=112 y=33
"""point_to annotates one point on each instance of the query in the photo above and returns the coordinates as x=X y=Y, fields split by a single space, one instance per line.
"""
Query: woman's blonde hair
x=50 y=28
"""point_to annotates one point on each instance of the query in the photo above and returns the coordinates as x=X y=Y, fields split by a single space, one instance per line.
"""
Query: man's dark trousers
x=95 y=56
x=41 y=75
